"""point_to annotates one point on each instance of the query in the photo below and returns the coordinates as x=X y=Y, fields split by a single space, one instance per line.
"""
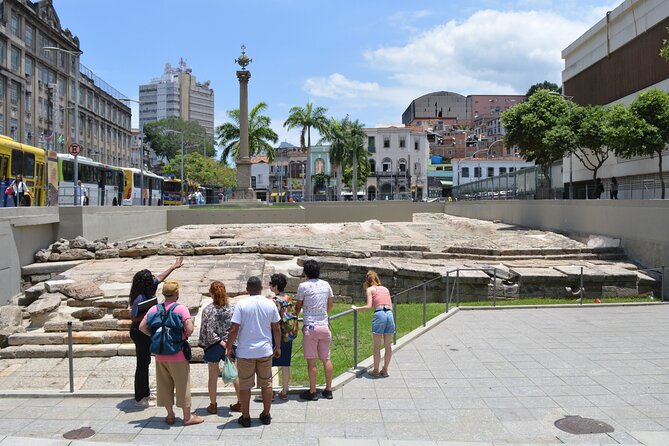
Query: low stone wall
x=115 y=223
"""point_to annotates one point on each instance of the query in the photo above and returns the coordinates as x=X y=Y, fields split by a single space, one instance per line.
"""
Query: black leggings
x=143 y=355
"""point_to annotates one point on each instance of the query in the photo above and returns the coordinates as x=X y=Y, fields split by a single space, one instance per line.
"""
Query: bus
x=153 y=188
x=30 y=162
x=102 y=184
x=172 y=192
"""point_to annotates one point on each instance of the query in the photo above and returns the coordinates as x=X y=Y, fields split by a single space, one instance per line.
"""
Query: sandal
x=169 y=420
x=283 y=395
x=212 y=408
x=237 y=407
x=384 y=373
x=374 y=374
x=194 y=419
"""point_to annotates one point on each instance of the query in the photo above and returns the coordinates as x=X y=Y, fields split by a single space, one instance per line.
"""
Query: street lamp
x=141 y=155
x=182 y=159
x=571 y=182
x=76 y=54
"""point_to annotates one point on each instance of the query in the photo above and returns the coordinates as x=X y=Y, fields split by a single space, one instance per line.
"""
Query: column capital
x=243 y=76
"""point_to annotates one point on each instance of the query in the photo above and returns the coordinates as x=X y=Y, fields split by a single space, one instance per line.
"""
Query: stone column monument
x=244 y=190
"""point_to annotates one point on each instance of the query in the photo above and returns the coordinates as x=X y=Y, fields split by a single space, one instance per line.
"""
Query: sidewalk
x=481 y=378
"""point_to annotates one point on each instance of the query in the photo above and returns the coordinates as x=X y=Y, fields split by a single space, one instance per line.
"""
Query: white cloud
x=490 y=52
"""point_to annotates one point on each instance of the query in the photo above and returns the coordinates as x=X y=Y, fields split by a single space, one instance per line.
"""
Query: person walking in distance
x=20 y=189
x=315 y=299
x=383 y=323
x=172 y=369
x=614 y=188
x=255 y=321
x=142 y=298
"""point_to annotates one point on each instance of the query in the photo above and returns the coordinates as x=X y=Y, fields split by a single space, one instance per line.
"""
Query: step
x=78 y=351
x=78 y=337
x=103 y=324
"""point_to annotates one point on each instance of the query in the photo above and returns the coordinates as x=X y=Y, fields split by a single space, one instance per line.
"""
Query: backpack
x=167 y=328
x=288 y=319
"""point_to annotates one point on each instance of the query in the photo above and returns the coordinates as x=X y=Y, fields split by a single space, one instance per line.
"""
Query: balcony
x=389 y=173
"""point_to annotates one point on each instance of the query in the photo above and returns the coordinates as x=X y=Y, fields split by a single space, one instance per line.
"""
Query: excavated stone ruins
x=88 y=283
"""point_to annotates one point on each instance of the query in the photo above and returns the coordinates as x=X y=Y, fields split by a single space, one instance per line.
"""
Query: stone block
x=10 y=317
x=210 y=251
x=334 y=275
x=35 y=338
x=265 y=248
x=45 y=304
x=397 y=254
x=76 y=254
x=87 y=337
x=95 y=350
x=55 y=286
x=36 y=351
x=175 y=252
x=100 y=324
x=61 y=326
x=117 y=337
x=326 y=263
x=112 y=302
x=54 y=257
x=124 y=325
x=82 y=303
x=277 y=257
x=116 y=289
x=82 y=291
x=90 y=313
x=137 y=252
x=321 y=252
x=37 y=278
x=79 y=242
x=121 y=313
x=124 y=350
x=33 y=293
x=398 y=247
x=110 y=253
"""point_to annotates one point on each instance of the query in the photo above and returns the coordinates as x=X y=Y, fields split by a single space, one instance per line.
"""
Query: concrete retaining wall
x=116 y=223
x=642 y=226
x=316 y=212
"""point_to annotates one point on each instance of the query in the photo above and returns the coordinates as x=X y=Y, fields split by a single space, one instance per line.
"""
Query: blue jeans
x=383 y=322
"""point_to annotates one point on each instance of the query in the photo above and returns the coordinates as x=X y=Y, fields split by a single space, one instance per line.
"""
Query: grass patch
x=409 y=317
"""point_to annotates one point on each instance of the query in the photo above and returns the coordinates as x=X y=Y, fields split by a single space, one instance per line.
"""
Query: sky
x=365 y=58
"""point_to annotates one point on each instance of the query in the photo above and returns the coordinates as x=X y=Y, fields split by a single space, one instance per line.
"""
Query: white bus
x=153 y=188
x=101 y=184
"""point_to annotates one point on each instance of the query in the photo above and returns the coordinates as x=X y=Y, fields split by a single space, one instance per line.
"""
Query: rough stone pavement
x=479 y=378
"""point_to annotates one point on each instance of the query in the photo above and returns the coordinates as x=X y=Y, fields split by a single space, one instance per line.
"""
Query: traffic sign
x=74 y=149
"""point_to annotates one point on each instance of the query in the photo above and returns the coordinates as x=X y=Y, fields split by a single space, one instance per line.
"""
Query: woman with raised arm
x=143 y=297
x=383 y=323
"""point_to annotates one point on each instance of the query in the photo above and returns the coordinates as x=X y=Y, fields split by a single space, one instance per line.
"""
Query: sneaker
x=265 y=419
x=327 y=394
x=145 y=402
x=306 y=395
x=245 y=422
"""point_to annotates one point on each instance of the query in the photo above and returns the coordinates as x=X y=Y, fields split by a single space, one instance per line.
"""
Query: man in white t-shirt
x=315 y=299
x=254 y=321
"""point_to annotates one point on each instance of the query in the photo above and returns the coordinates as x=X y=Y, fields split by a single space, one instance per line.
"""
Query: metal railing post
x=395 y=320
x=664 y=278
x=69 y=355
x=494 y=288
x=355 y=339
x=581 y=289
x=424 y=304
x=448 y=289
x=457 y=286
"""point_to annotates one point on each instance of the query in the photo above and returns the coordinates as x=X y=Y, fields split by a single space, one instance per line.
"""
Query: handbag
x=9 y=190
x=188 y=353
x=229 y=373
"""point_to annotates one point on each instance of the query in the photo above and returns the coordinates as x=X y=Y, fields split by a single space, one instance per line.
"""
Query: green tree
x=335 y=134
x=531 y=126
x=261 y=134
x=642 y=129
x=545 y=85
x=583 y=133
x=306 y=118
x=664 y=51
x=203 y=170
x=168 y=144
x=347 y=151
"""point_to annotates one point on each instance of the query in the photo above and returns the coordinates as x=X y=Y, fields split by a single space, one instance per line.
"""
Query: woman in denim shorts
x=383 y=322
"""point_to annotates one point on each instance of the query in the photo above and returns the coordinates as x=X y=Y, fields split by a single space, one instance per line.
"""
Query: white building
x=398 y=158
x=177 y=94
x=612 y=63
x=467 y=170
x=260 y=177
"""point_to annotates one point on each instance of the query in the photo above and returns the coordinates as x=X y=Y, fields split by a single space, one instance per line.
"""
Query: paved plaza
x=478 y=378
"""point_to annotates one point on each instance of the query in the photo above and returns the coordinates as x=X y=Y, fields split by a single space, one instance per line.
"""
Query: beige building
x=37 y=88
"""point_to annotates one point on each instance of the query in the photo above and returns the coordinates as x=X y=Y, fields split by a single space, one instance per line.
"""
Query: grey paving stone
x=329 y=430
x=22 y=441
x=368 y=430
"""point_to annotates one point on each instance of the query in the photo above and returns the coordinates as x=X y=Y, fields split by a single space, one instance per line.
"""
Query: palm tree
x=260 y=134
x=356 y=146
x=335 y=134
x=307 y=117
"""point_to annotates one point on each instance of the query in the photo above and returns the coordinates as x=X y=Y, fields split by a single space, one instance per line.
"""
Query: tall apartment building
x=177 y=94
x=37 y=88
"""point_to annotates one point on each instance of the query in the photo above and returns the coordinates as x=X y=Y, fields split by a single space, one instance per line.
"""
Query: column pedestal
x=244 y=190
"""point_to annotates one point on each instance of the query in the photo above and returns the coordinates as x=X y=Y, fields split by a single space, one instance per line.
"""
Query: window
x=253 y=182
x=28 y=102
x=386 y=165
x=15 y=59
x=2 y=89
x=403 y=142
x=402 y=166
x=14 y=25
x=3 y=51
x=416 y=145
x=477 y=172
x=512 y=169
x=371 y=144
x=465 y=172
x=372 y=165
x=386 y=142
x=28 y=36
x=29 y=65
x=502 y=170
x=416 y=168
x=17 y=162
x=491 y=171
x=14 y=93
